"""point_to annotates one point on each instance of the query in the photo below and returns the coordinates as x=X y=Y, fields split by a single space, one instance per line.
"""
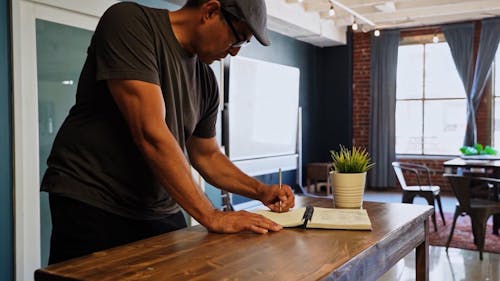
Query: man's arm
x=142 y=106
x=218 y=170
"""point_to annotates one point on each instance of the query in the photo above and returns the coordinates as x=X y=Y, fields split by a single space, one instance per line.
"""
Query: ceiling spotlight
x=331 y=12
x=435 y=39
x=355 y=26
x=376 y=33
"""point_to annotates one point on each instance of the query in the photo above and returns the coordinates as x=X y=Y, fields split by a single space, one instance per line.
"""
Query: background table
x=291 y=254
x=492 y=169
x=490 y=166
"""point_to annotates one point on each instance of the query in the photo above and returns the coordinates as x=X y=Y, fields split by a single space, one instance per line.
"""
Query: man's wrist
x=210 y=220
x=261 y=190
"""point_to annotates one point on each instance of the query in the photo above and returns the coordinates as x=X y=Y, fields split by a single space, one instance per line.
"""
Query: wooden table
x=492 y=169
x=291 y=254
x=491 y=166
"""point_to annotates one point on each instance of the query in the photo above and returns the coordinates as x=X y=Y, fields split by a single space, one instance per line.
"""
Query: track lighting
x=355 y=26
x=435 y=39
x=331 y=12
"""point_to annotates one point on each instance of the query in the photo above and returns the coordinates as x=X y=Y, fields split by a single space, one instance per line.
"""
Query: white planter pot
x=348 y=189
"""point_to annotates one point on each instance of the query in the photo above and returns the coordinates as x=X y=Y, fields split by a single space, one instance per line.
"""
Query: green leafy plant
x=355 y=160
x=478 y=149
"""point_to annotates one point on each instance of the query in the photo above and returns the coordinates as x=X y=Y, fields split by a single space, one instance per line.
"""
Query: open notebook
x=316 y=217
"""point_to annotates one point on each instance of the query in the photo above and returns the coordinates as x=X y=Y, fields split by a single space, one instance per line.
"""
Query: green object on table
x=490 y=150
x=478 y=149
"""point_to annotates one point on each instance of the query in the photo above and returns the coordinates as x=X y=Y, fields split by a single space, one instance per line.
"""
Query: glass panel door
x=61 y=51
x=50 y=39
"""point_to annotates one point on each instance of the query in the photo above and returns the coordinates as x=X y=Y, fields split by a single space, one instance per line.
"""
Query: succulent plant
x=355 y=160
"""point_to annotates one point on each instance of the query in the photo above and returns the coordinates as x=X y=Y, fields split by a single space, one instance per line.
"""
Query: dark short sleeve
x=124 y=45
x=206 y=126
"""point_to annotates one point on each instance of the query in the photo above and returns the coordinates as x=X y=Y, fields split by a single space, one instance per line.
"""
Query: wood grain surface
x=291 y=254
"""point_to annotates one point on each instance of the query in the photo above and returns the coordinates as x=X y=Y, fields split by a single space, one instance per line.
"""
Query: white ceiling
x=309 y=20
x=372 y=14
x=404 y=13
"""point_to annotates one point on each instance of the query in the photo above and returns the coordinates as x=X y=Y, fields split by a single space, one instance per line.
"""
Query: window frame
x=424 y=40
x=494 y=95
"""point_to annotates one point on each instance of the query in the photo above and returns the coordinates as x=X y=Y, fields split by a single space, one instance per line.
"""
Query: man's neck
x=183 y=27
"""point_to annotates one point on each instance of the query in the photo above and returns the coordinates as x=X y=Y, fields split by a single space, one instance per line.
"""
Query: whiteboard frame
x=277 y=106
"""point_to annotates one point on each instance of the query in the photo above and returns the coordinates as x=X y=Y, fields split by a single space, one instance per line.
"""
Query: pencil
x=280 y=182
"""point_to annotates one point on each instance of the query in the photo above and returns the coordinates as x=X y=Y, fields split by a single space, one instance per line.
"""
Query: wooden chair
x=478 y=209
x=318 y=175
x=424 y=187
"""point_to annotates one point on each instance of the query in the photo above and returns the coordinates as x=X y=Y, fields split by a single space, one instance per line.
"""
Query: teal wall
x=6 y=226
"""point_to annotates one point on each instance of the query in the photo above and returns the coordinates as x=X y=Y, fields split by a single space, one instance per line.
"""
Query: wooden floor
x=456 y=265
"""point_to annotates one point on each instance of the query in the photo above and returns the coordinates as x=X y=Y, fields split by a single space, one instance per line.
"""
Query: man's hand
x=233 y=222
x=271 y=196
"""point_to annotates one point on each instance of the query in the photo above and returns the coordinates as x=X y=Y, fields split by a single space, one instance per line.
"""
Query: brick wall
x=361 y=102
x=361 y=88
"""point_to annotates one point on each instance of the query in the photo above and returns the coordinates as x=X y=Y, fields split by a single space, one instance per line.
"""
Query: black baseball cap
x=253 y=13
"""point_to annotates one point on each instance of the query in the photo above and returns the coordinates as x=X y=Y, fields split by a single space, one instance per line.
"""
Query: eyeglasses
x=240 y=42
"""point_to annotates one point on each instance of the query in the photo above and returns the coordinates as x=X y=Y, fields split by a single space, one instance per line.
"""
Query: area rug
x=462 y=236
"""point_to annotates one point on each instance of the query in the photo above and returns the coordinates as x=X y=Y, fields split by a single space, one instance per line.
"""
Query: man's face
x=227 y=36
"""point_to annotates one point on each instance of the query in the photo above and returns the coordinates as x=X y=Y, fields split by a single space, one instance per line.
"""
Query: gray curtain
x=382 y=146
x=488 y=44
x=460 y=38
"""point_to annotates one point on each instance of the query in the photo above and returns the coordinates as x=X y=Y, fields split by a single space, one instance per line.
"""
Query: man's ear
x=211 y=9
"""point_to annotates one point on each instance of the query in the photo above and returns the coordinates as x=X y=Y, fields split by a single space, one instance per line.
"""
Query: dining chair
x=424 y=187
x=478 y=209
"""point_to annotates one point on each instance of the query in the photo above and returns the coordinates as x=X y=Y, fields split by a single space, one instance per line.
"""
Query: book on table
x=316 y=217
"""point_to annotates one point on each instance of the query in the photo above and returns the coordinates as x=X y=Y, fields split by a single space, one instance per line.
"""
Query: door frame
x=82 y=14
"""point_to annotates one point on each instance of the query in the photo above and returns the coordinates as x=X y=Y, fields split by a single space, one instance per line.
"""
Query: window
x=430 y=101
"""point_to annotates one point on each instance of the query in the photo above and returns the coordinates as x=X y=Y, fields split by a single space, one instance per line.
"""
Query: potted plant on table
x=478 y=151
x=349 y=176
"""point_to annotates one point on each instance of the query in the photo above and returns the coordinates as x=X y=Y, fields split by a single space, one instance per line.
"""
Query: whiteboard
x=263 y=101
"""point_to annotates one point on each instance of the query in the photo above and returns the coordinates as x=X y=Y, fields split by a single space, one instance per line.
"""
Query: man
x=146 y=100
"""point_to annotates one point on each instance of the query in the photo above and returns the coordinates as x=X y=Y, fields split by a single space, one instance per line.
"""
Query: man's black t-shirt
x=94 y=158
